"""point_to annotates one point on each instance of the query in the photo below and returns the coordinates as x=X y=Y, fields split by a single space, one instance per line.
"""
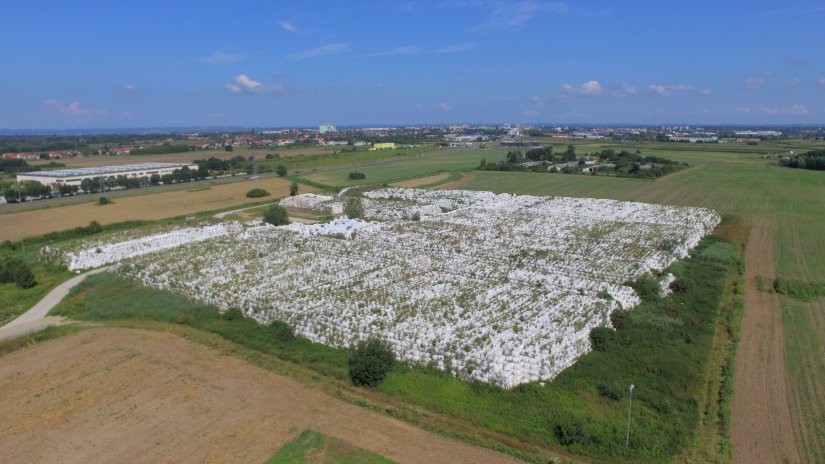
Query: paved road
x=36 y=318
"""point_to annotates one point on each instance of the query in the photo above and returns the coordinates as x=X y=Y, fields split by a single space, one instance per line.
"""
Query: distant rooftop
x=105 y=170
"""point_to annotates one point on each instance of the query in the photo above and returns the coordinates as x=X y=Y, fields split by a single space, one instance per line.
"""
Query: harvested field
x=150 y=206
x=126 y=395
x=762 y=428
x=412 y=183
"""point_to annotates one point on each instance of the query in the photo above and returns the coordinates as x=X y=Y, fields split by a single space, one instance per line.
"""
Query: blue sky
x=150 y=64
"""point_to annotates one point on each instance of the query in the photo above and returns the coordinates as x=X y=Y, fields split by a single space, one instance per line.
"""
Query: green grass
x=407 y=167
x=15 y=301
x=313 y=447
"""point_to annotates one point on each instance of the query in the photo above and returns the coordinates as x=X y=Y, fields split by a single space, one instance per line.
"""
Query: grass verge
x=313 y=447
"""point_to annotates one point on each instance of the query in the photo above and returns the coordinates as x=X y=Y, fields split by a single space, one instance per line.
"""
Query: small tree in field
x=293 y=189
x=280 y=170
x=371 y=361
x=354 y=208
x=276 y=215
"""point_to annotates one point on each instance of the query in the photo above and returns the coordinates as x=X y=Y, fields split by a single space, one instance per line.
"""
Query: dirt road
x=761 y=413
x=126 y=395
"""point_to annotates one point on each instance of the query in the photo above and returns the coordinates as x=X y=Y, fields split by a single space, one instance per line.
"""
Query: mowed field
x=150 y=206
x=789 y=205
x=128 y=395
x=408 y=167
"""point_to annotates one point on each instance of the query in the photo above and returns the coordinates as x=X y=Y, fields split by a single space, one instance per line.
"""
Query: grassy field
x=150 y=206
x=315 y=448
x=408 y=167
x=14 y=300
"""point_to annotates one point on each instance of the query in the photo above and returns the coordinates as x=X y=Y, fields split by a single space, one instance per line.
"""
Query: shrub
x=680 y=286
x=232 y=314
x=276 y=215
x=104 y=201
x=293 y=189
x=282 y=331
x=353 y=207
x=280 y=170
x=355 y=175
x=8 y=245
x=15 y=270
x=371 y=361
x=600 y=338
x=257 y=193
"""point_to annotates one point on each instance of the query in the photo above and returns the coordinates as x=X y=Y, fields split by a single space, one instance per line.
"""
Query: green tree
x=371 y=361
x=354 y=207
x=154 y=178
x=293 y=189
x=276 y=215
x=88 y=185
x=257 y=193
x=281 y=170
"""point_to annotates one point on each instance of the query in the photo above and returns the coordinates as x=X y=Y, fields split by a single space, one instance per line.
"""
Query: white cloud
x=72 y=109
x=531 y=113
x=589 y=88
x=221 y=58
x=798 y=109
x=771 y=110
x=755 y=82
x=407 y=50
x=457 y=48
x=822 y=82
x=628 y=89
x=705 y=92
x=743 y=109
x=793 y=82
x=443 y=106
x=515 y=15
x=667 y=90
x=245 y=84
x=323 y=50
x=287 y=26
x=128 y=88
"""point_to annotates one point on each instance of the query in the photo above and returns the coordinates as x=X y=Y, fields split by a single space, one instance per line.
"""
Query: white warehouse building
x=76 y=176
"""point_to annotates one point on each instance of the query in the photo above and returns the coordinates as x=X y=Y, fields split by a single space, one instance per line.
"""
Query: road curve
x=36 y=318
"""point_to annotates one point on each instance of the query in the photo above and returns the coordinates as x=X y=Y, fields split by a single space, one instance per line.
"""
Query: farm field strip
x=499 y=288
x=16 y=226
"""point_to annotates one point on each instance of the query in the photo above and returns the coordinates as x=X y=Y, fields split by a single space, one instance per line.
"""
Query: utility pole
x=629 y=404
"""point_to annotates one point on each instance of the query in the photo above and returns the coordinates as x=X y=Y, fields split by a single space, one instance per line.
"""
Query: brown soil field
x=129 y=395
x=761 y=429
x=421 y=181
x=188 y=157
x=150 y=206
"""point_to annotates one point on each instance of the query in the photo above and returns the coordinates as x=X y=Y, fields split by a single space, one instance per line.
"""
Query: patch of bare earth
x=412 y=183
x=761 y=429
x=126 y=395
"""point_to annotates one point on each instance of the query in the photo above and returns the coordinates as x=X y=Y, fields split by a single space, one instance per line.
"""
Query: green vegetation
x=355 y=175
x=281 y=170
x=17 y=272
x=276 y=215
x=105 y=297
x=804 y=291
x=15 y=300
x=354 y=207
x=103 y=200
x=257 y=193
x=814 y=160
x=313 y=447
x=371 y=361
x=662 y=347
x=293 y=189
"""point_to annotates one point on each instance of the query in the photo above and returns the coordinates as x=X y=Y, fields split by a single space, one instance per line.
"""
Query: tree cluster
x=814 y=160
x=371 y=361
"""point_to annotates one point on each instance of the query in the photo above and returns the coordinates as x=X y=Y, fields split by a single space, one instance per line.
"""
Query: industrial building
x=325 y=128
x=76 y=176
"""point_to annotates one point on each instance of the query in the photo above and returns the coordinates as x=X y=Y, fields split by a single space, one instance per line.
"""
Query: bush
x=257 y=193
x=371 y=361
x=232 y=314
x=293 y=189
x=104 y=201
x=15 y=270
x=280 y=170
x=353 y=207
x=276 y=215
x=355 y=175
x=282 y=331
